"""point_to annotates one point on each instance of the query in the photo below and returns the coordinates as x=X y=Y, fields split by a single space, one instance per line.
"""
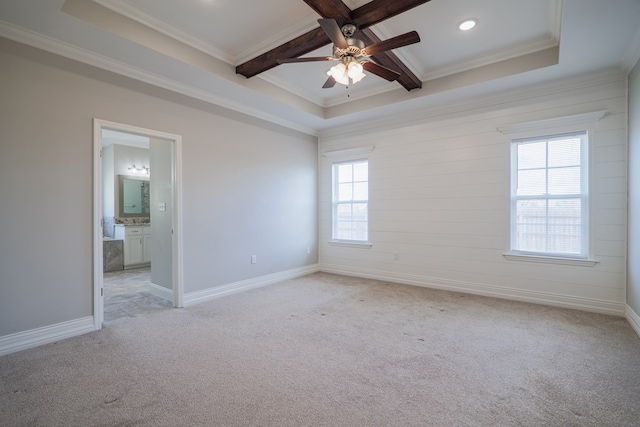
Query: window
x=350 y=201
x=549 y=195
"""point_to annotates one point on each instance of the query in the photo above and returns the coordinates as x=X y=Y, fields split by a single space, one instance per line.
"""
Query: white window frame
x=335 y=203
x=554 y=126
x=350 y=155
x=583 y=196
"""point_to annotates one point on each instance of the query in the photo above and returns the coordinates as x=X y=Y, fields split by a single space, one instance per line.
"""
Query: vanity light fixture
x=143 y=170
x=467 y=24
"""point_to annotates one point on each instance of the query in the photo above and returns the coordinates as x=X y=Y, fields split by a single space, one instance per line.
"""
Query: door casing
x=177 y=269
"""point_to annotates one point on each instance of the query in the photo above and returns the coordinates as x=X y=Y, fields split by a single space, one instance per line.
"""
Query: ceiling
x=193 y=47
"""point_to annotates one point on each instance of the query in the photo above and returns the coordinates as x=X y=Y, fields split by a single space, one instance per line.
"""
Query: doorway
x=131 y=214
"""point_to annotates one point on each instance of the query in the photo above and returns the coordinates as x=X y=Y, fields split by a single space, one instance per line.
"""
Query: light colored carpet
x=327 y=350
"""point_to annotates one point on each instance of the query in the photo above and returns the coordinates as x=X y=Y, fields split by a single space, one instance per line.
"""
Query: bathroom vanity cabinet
x=137 y=244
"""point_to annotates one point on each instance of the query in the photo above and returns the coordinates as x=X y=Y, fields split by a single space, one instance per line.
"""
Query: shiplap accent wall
x=439 y=198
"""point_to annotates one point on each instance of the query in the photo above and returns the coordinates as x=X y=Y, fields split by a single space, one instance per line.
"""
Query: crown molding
x=534 y=46
x=282 y=84
x=129 y=11
x=299 y=28
x=75 y=53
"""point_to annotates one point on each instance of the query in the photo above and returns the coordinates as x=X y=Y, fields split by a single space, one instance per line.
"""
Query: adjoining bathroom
x=128 y=223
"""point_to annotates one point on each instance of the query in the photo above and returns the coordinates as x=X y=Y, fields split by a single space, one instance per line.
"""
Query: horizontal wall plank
x=439 y=198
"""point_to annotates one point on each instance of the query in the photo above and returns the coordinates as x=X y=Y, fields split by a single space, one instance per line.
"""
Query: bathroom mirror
x=133 y=196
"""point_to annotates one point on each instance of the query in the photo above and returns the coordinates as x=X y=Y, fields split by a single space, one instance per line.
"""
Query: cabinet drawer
x=133 y=231
x=146 y=230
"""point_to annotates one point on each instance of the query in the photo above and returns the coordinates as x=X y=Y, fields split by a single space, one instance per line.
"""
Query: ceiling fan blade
x=331 y=82
x=330 y=26
x=308 y=59
x=393 y=43
x=379 y=70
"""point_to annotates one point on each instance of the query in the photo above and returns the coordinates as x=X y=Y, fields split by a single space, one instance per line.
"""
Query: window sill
x=551 y=260
x=350 y=244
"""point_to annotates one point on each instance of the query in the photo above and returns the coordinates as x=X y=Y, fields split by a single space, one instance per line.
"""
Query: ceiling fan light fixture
x=337 y=71
x=355 y=71
x=340 y=74
x=467 y=24
x=351 y=72
x=357 y=78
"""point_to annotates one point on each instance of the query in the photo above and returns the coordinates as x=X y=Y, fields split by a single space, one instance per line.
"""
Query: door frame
x=177 y=254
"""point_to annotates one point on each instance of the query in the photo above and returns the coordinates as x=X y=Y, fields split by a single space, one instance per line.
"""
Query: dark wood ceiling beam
x=379 y=10
x=331 y=9
x=407 y=79
x=363 y=17
x=301 y=45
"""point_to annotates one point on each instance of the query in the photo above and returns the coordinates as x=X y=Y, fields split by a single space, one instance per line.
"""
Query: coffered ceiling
x=194 y=46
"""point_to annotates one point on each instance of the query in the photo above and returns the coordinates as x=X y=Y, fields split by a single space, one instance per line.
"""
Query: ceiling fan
x=353 y=55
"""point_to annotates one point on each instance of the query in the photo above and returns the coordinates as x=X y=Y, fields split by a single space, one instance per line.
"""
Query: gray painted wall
x=161 y=191
x=633 y=256
x=249 y=187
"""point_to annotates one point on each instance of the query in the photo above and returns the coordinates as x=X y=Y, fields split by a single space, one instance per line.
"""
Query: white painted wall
x=439 y=197
x=248 y=187
x=633 y=279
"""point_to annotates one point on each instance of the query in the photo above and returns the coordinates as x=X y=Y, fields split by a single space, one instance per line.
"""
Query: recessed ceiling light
x=468 y=24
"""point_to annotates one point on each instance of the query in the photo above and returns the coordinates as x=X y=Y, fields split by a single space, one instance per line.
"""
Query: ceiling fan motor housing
x=355 y=49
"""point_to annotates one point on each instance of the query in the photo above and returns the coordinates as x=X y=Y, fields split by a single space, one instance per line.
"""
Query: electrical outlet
x=308 y=250
x=253 y=259
x=396 y=256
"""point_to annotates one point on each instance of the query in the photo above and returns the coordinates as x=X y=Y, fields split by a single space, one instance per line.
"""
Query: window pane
x=564 y=181
x=343 y=230
x=532 y=155
x=359 y=231
x=531 y=238
x=565 y=209
x=345 y=192
x=360 y=191
x=532 y=182
x=531 y=212
x=361 y=171
x=564 y=152
x=565 y=226
x=531 y=225
x=345 y=172
x=343 y=212
x=565 y=220
x=359 y=211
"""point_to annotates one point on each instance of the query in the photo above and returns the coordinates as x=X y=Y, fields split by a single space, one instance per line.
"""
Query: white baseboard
x=219 y=291
x=45 y=335
x=161 y=291
x=536 y=297
x=633 y=319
